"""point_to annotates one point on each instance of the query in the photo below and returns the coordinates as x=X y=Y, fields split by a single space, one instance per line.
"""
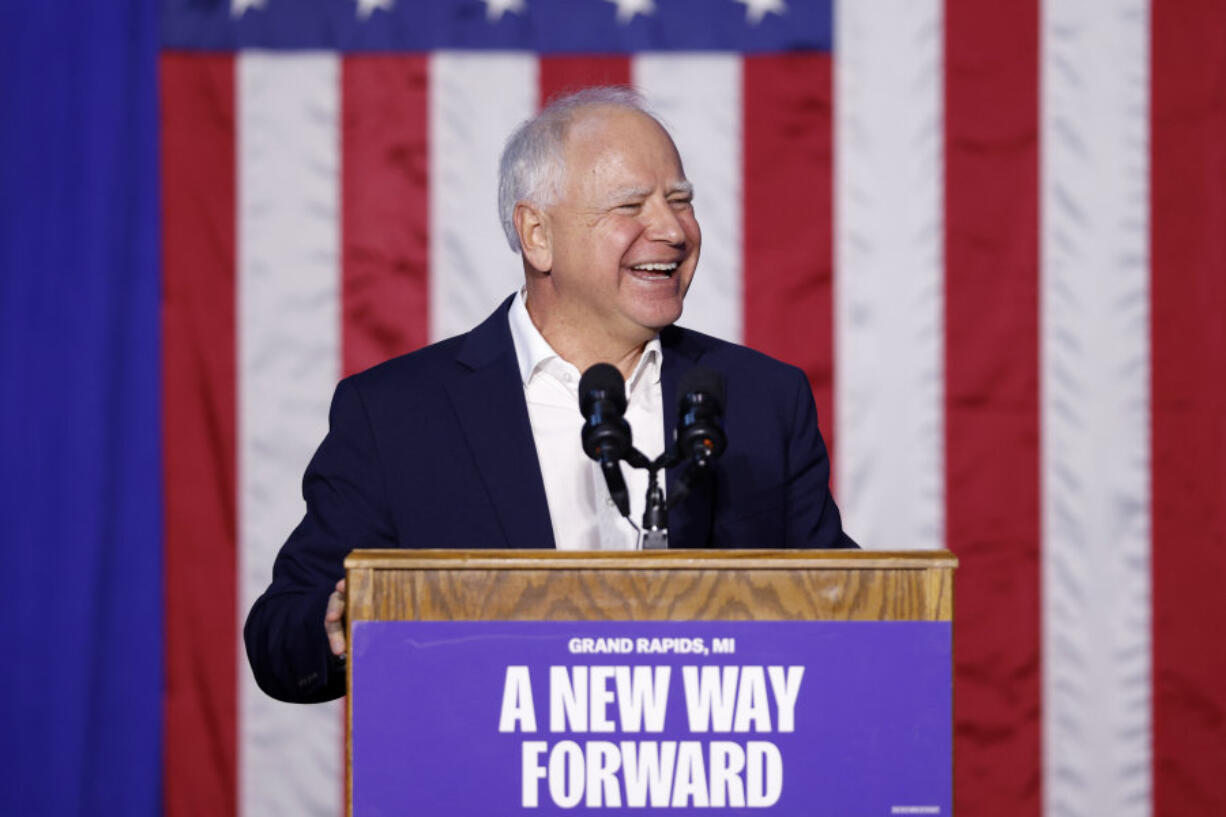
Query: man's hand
x=334 y=620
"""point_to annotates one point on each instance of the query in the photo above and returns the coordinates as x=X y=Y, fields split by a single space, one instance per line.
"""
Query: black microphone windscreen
x=706 y=381
x=602 y=377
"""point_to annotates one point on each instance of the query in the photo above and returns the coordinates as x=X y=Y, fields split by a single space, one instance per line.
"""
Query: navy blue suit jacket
x=434 y=450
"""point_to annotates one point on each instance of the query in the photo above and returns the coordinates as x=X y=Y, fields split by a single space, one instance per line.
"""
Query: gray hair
x=532 y=164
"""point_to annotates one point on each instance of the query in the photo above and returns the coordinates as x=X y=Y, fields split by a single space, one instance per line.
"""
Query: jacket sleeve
x=813 y=519
x=346 y=509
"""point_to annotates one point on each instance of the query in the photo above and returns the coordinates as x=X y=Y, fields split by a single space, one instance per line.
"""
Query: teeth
x=655 y=267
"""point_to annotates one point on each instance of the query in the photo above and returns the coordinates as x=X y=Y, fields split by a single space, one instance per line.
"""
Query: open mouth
x=655 y=271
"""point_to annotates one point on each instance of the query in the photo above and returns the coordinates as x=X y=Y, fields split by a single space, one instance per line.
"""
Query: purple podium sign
x=782 y=717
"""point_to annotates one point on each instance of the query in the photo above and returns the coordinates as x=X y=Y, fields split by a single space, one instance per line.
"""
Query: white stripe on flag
x=476 y=100
x=1094 y=204
x=288 y=363
x=699 y=98
x=889 y=306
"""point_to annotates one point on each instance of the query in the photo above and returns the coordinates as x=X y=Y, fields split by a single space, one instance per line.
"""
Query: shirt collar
x=532 y=350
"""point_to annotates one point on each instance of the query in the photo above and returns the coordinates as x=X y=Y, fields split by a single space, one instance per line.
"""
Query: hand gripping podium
x=545 y=682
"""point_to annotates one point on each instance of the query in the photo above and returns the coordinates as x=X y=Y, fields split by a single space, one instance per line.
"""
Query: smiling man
x=611 y=243
x=474 y=442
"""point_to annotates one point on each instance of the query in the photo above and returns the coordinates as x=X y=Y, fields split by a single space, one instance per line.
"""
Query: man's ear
x=535 y=239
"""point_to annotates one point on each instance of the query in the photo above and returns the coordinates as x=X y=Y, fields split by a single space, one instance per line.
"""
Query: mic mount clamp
x=655 y=514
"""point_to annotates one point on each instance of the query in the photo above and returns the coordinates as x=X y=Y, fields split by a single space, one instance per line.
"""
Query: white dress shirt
x=580 y=508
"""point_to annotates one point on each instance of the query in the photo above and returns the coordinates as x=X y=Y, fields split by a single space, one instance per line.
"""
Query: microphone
x=606 y=434
x=700 y=409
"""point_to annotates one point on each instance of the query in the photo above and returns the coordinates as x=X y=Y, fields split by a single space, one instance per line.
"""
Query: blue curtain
x=80 y=434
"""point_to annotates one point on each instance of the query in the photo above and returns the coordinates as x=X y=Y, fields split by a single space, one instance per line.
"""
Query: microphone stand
x=655 y=514
x=606 y=437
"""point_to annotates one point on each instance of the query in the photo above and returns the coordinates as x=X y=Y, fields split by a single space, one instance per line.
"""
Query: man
x=474 y=442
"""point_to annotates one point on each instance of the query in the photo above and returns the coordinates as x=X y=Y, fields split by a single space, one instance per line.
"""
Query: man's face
x=623 y=235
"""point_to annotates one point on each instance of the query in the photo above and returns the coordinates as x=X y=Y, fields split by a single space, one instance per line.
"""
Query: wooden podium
x=666 y=586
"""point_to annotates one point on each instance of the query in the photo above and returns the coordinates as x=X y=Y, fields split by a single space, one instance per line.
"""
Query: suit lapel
x=488 y=398
x=689 y=523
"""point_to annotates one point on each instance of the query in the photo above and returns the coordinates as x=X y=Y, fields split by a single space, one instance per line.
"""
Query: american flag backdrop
x=991 y=233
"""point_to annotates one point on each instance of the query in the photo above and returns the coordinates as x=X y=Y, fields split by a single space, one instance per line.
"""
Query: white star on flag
x=626 y=9
x=494 y=9
x=367 y=7
x=238 y=7
x=755 y=10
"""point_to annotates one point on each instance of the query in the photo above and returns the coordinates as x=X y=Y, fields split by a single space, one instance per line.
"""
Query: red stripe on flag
x=198 y=196
x=560 y=75
x=992 y=398
x=788 y=232
x=385 y=266
x=1188 y=223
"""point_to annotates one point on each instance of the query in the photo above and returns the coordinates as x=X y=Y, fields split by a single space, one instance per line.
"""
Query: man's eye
x=681 y=204
x=630 y=207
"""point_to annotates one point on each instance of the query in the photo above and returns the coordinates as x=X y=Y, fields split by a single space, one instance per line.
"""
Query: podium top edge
x=549 y=559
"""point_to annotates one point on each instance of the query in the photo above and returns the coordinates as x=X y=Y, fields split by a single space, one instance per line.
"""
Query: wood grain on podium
x=746 y=585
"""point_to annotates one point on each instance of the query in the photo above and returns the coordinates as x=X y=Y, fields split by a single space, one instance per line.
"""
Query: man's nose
x=663 y=222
